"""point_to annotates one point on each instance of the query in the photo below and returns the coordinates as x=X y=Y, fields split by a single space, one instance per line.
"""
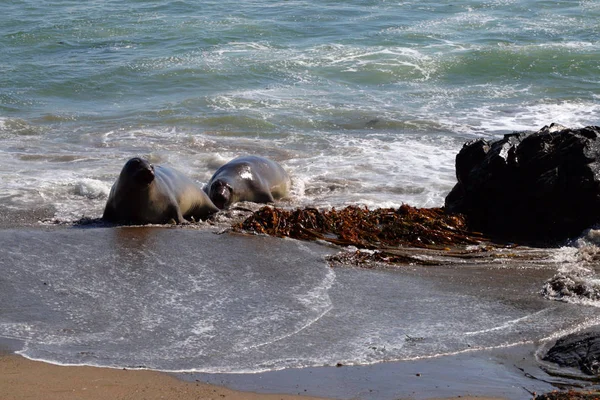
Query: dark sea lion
x=248 y=178
x=148 y=194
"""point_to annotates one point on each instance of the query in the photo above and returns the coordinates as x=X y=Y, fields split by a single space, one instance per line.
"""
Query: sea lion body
x=148 y=194
x=248 y=178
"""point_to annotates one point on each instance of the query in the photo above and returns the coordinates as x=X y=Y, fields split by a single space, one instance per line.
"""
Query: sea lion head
x=220 y=193
x=139 y=171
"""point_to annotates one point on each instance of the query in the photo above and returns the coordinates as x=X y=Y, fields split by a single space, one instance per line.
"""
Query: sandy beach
x=23 y=379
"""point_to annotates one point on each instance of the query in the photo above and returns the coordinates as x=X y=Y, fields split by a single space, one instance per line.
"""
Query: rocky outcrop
x=580 y=351
x=530 y=186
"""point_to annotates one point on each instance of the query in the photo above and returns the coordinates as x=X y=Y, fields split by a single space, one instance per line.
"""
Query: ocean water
x=363 y=102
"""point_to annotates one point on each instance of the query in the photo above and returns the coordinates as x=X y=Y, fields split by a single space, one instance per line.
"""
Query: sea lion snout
x=220 y=194
x=140 y=171
x=145 y=175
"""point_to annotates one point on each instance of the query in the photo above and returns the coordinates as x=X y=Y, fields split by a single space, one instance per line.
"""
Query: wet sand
x=22 y=379
x=502 y=374
x=505 y=373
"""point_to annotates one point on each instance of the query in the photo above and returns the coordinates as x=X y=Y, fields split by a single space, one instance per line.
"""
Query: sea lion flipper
x=202 y=211
x=176 y=214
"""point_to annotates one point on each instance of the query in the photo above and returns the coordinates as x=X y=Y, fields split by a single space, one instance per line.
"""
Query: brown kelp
x=383 y=229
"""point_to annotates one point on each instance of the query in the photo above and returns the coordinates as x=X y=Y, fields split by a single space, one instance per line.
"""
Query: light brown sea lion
x=248 y=178
x=148 y=194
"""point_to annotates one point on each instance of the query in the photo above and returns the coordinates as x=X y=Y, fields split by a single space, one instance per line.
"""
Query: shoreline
x=499 y=374
x=22 y=378
x=509 y=373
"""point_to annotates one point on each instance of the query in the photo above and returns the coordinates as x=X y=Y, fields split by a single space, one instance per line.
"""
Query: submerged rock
x=579 y=350
x=530 y=186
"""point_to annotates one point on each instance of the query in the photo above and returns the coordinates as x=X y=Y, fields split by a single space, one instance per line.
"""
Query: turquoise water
x=363 y=102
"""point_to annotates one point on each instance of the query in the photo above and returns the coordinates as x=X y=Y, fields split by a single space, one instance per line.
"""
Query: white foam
x=510 y=324
x=216 y=160
x=503 y=118
x=91 y=188
x=409 y=169
x=576 y=280
x=565 y=255
x=203 y=328
x=587 y=246
x=246 y=46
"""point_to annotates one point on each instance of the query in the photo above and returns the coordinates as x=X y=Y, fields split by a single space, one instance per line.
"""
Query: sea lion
x=248 y=178
x=154 y=194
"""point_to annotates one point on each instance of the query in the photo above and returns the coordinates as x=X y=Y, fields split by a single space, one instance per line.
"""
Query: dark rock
x=579 y=350
x=569 y=395
x=530 y=186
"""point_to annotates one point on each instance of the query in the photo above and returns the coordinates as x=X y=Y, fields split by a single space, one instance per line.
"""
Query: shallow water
x=183 y=299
